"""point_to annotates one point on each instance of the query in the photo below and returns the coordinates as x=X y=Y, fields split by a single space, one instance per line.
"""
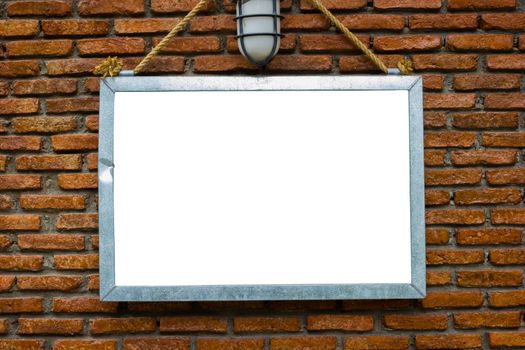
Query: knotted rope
x=112 y=65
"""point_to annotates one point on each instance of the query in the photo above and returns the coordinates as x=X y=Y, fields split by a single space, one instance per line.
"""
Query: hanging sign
x=261 y=188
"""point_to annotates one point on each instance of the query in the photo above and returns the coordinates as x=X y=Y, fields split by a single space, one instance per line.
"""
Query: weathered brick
x=205 y=24
x=470 y=320
x=76 y=262
x=77 y=181
x=488 y=236
x=266 y=324
x=164 y=343
x=21 y=68
x=160 y=307
x=448 y=341
x=39 y=48
x=407 y=4
x=504 y=139
x=93 y=282
x=50 y=162
x=229 y=343
x=122 y=325
x=376 y=342
x=149 y=25
x=159 y=64
x=18 y=106
x=505 y=101
x=19 y=222
x=433 y=82
x=360 y=21
x=74 y=142
x=449 y=101
x=20 y=305
x=506 y=176
x=416 y=322
x=20 y=182
x=304 y=342
x=435 y=120
x=447 y=177
x=469 y=82
x=363 y=64
x=110 y=46
x=483 y=157
x=103 y=7
x=507 y=299
x=198 y=44
x=437 y=197
x=434 y=157
x=506 y=62
x=83 y=305
x=438 y=278
x=507 y=339
x=487 y=196
x=368 y=305
x=21 y=344
x=445 y=62
x=50 y=242
x=485 y=120
x=454 y=257
x=166 y=6
x=503 y=21
x=336 y=5
x=450 y=139
x=339 y=323
x=77 y=222
x=443 y=21
x=304 y=22
x=508 y=216
x=77 y=104
x=437 y=236
x=480 y=42
x=6 y=282
x=49 y=282
x=515 y=256
x=481 y=4
x=74 y=27
x=208 y=324
x=39 y=8
x=489 y=278
x=76 y=344
x=455 y=217
x=52 y=202
x=6 y=202
x=320 y=42
x=412 y=43
x=18 y=28
x=72 y=66
x=44 y=87
x=50 y=326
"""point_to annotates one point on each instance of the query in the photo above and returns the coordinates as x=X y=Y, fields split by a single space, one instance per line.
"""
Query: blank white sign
x=261 y=188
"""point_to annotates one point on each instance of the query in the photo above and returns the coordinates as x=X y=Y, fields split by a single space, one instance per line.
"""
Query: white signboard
x=244 y=188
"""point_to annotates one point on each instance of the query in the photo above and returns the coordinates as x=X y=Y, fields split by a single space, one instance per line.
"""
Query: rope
x=110 y=66
x=180 y=26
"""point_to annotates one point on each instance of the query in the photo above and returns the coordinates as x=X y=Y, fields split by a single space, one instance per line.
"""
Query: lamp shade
x=258 y=29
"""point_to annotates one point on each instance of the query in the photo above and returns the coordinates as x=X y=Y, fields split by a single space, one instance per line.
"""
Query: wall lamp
x=258 y=30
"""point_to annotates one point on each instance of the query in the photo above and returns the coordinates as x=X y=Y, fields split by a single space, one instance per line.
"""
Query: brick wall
x=472 y=56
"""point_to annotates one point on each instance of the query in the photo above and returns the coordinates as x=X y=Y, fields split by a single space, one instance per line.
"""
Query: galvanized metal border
x=110 y=292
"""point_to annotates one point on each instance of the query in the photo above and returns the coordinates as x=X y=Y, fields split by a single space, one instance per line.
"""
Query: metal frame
x=110 y=292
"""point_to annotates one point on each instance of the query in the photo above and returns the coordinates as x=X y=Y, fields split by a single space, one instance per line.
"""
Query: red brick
x=433 y=82
x=339 y=323
x=437 y=236
x=455 y=217
x=6 y=202
x=229 y=344
x=416 y=322
x=506 y=176
x=506 y=62
x=92 y=85
x=160 y=307
x=407 y=4
x=435 y=158
x=44 y=87
x=470 y=320
x=368 y=305
x=103 y=7
x=320 y=42
x=77 y=344
x=20 y=305
x=209 y=64
x=79 y=104
x=445 y=62
x=454 y=257
x=469 y=82
x=508 y=216
x=450 y=139
x=20 y=182
x=4 y=326
x=483 y=157
x=110 y=46
x=76 y=262
x=52 y=202
x=447 y=177
x=5 y=242
x=304 y=22
x=164 y=343
x=266 y=324
x=507 y=339
x=147 y=25
x=449 y=101
x=4 y=91
x=360 y=21
x=208 y=324
x=49 y=162
x=83 y=305
x=480 y=42
x=501 y=139
x=74 y=142
x=443 y=21
x=488 y=236
x=481 y=4
x=18 y=28
x=77 y=221
x=304 y=342
x=6 y=283
x=18 y=106
x=122 y=325
x=39 y=48
x=485 y=120
x=50 y=242
x=3 y=162
x=20 y=143
x=166 y=6
x=50 y=326
x=19 y=222
x=77 y=181
x=412 y=43
x=336 y=4
x=448 y=341
x=159 y=64
x=92 y=161
x=507 y=298
x=93 y=282
x=72 y=66
x=21 y=68
x=70 y=27
x=49 y=282
x=376 y=342
x=363 y=63
x=39 y=8
x=220 y=23
x=438 y=278
x=503 y=21
x=514 y=256
x=191 y=44
x=487 y=196
x=435 y=120
x=489 y=278
x=21 y=344
x=505 y=101
x=437 y=197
